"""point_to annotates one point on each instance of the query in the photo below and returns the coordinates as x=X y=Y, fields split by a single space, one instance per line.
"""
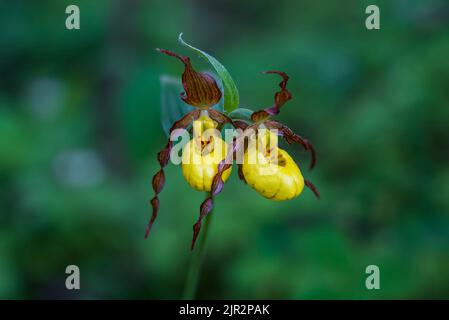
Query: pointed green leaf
x=172 y=107
x=231 y=95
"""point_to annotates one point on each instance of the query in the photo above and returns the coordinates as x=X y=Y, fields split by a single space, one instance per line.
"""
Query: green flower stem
x=196 y=262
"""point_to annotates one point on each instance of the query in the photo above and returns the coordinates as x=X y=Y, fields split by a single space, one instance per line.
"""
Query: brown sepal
x=201 y=89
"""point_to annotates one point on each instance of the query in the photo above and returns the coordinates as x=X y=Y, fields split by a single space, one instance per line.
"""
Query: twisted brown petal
x=186 y=120
x=159 y=178
x=205 y=209
x=208 y=204
x=240 y=124
x=163 y=157
x=220 y=117
x=201 y=89
x=240 y=172
x=312 y=187
x=217 y=184
x=158 y=184
x=291 y=137
x=280 y=98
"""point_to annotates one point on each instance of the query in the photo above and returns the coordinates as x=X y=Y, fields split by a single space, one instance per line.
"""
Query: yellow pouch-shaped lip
x=276 y=181
x=199 y=168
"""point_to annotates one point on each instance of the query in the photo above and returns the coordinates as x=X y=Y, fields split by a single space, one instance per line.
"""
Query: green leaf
x=231 y=95
x=172 y=107
x=241 y=114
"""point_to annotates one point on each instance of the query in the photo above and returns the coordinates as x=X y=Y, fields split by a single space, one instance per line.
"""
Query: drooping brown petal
x=220 y=117
x=158 y=184
x=208 y=204
x=291 y=137
x=240 y=124
x=308 y=146
x=186 y=120
x=155 y=205
x=280 y=98
x=217 y=183
x=205 y=209
x=312 y=187
x=158 y=181
x=240 y=172
x=163 y=157
x=201 y=89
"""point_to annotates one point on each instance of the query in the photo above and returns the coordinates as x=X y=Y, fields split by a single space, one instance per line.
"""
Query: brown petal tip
x=155 y=204
x=312 y=187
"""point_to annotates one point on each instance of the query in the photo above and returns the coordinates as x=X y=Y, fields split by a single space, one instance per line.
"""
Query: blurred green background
x=80 y=128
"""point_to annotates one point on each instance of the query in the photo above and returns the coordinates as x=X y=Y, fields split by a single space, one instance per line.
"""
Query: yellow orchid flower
x=201 y=155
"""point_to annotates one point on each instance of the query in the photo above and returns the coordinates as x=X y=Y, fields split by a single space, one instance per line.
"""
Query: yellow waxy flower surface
x=201 y=156
x=276 y=181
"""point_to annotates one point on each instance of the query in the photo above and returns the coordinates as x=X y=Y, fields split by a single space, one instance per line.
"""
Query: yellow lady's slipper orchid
x=206 y=164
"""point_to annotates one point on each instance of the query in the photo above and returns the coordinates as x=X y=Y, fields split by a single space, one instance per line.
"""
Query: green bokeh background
x=80 y=128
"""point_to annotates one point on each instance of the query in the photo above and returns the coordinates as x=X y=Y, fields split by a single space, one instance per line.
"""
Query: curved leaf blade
x=172 y=107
